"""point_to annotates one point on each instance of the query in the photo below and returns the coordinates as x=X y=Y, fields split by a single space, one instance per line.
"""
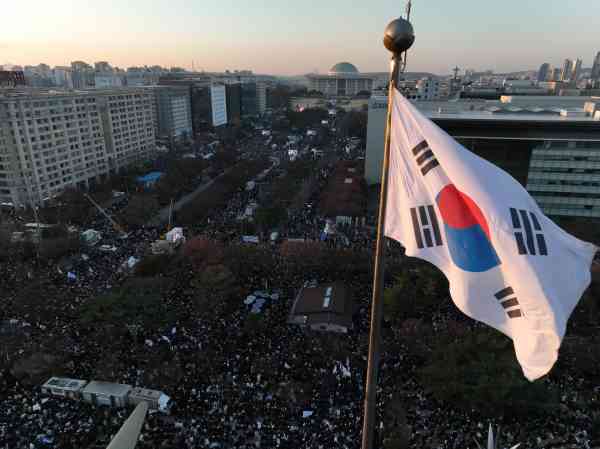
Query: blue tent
x=149 y=179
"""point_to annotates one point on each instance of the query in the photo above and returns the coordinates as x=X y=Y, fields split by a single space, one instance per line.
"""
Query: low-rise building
x=325 y=307
x=106 y=393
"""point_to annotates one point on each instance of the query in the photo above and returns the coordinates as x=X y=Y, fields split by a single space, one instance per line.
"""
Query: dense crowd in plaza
x=237 y=381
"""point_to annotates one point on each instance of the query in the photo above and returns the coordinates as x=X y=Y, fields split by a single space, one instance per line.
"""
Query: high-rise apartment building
x=51 y=140
x=82 y=75
x=261 y=92
x=596 y=67
x=103 y=80
x=577 y=70
x=545 y=72
x=567 y=70
x=63 y=77
x=80 y=65
x=249 y=99
x=556 y=74
x=11 y=79
x=173 y=112
x=234 y=103
x=103 y=66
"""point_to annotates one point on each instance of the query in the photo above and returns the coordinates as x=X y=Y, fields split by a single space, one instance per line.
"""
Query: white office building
x=51 y=140
x=218 y=100
x=551 y=145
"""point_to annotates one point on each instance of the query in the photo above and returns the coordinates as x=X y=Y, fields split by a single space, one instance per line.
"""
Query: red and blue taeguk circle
x=467 y=231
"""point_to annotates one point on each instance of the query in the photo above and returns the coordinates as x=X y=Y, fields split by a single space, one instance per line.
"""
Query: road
x=163 y=216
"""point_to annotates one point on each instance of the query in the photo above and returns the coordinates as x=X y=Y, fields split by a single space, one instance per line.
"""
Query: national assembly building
x=342 y=80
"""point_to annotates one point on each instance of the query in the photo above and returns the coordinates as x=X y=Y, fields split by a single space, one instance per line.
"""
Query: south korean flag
x=508 y=265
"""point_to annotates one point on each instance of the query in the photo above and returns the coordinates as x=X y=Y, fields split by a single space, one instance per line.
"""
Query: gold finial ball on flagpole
x=399 y=36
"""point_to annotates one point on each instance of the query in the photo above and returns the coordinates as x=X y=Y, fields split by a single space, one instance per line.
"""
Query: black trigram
x=510 y=303
x=425 y=157
x=523 y=220
x=425 y=225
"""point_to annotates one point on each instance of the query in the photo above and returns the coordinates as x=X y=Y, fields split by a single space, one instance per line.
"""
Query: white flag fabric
x=508 y=265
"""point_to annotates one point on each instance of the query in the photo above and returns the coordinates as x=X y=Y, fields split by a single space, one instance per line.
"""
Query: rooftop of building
x=33 y=92
x=64 y=383
x=521 y=109
x=107 y=388
x=322 y=304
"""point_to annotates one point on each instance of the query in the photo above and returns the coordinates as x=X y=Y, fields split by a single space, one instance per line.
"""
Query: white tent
x=91 y=237
x=175 y=236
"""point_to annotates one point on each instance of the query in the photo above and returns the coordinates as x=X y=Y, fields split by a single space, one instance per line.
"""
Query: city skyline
x=269 y=38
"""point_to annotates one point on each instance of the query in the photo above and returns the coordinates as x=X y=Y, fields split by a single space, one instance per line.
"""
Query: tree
x=247 y=262
x=140 y=210
x=138 y=302
x=395 y=420
x=308 y=118
x=269 y=217
x=279 y=97
x=70 y=207
x=153 y=265
x=416 y=293
x=203 y=252
x=52 y=249
x=6 y=247
x=354 y=124
x=480 y=371
x=304 y=255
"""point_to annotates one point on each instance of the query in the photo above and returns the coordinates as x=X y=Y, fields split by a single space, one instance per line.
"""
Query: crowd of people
x=238 y=379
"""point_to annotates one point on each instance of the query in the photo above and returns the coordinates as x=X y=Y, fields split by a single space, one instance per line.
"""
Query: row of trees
x=181 y=176
x=217 y=195
x=289 y=191
x=308 y=118
x=49 y=244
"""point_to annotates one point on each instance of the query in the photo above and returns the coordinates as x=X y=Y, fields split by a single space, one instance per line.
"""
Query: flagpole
x=398 y=38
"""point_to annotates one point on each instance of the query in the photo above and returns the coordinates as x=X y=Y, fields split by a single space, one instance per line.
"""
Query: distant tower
x=567 y=70
x=545 y=72
x=456 y=71
x=556 y=74
x=577 y=70
x=596 y=67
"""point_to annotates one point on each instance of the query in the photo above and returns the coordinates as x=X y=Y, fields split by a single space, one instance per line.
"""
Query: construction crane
x=114 y=224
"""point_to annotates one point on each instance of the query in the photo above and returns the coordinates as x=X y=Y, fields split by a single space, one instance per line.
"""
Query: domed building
x=343 y=68
x=343 y=79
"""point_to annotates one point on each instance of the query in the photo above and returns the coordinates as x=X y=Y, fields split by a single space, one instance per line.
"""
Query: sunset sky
x=291 y=38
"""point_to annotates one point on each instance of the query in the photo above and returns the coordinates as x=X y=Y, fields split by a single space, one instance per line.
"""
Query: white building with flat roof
x=51 y=140
x=218 y=100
